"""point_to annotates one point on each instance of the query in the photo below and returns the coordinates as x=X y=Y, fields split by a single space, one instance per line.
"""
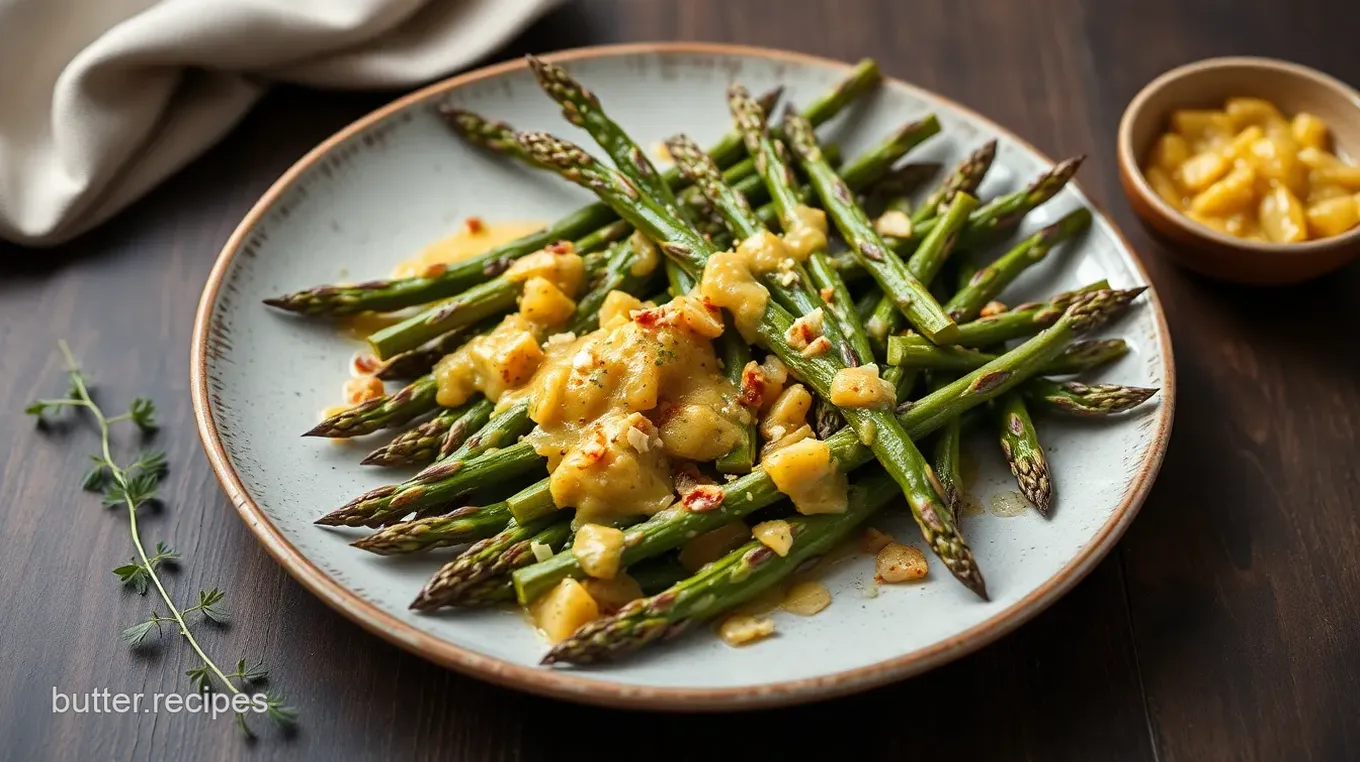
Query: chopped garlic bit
x=805 y=329
x=992 y=308
x=561 y=339
x=895 y=223
x=777 y=535
x=819 y=346
x=740 y=629
x=541 y=550
x=899 y=563
x=638 y=439
x=807 y=598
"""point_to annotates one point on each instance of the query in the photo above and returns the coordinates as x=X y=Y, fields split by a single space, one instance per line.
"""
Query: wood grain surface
x=1226 y=626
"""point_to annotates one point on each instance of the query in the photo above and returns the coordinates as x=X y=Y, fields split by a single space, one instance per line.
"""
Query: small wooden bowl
x=1208 y=84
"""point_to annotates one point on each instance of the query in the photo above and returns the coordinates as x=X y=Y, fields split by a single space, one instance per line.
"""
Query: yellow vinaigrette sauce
x=622 y=410
x=1253 y=173
x=474 y=238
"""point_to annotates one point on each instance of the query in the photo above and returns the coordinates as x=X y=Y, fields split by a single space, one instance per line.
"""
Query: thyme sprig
x=132 y=486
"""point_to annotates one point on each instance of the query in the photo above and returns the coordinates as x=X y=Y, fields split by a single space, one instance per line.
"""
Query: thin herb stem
x=119 y=475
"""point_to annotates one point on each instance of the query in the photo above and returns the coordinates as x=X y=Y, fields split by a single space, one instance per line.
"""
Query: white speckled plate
x=396 y=180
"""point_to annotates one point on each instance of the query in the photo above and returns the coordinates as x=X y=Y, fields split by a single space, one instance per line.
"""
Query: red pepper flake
x=753 y=385
x=560 y=248
x=363 y=364
x=474 y=225
x=704 y=498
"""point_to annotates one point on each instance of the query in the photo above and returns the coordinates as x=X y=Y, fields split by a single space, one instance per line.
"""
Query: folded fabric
x=100 y=100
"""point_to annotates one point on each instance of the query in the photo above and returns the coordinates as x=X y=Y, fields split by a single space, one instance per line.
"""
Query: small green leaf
x=283 y=715
x=134 y=575
x=255 y=673
x=143 y=413
x=94 y=478
x=150 y=462
x=137 y=633
x=207 y=605
x=38 y=409
x=201 y=677
x=164 y=554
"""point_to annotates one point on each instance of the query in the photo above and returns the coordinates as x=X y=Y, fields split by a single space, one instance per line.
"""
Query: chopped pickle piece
x=861 y=387
x=1234 y=193
x=776 y=535
x=1201 y=171
x=1333 y=216
x=599 y=549
x=617 y=308
x=614 y=593
x=563 y=609
x=543 y=303
x=808 y=234
x=494 y=363
x=1309 y=131
x=558 y=263
x=1165 y=187
x=1252 y=172
x=787 y=414
x=806 y=473
x=1282 y=217
x=1170 y=152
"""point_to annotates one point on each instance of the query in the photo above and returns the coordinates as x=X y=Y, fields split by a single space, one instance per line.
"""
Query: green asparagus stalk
x=414 y=363
x=482 y=301
x=1001 y=214
x=1081 y=356
x=399 y=293
x=945 y=455
x=415 y=447
x=756 y=490
x=1084 y=400
x=583 y=109
x=924 y=265
x=462 y=581
x=1024 y=320
x=891 y=274
x=532 y=502
x=491 y=455
x=385 y=412
x=443 y=479
x=456 y=527
x=735 y=354
x=782 y=185
x=989 y=281
x=965 y=178
x=792 y=287
x=720 y=586
x=875 y=426
x=902 y=181
x=1024 y=454
x=836 y=294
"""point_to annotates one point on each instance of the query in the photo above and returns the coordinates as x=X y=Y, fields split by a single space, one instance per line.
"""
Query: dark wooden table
x=1225 y=626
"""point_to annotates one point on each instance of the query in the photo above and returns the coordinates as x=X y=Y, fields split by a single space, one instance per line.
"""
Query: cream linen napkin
x=102 y=99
